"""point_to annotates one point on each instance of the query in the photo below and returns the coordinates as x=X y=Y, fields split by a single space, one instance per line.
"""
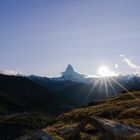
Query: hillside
x=123 y=109
x=25 y=106
x=18 y=94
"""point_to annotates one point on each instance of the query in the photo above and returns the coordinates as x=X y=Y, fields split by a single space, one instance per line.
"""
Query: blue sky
x=44 y=36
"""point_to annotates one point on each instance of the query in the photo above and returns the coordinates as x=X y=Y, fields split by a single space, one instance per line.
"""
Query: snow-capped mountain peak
x=69 y=68
x=71 y=75
x=68 y=72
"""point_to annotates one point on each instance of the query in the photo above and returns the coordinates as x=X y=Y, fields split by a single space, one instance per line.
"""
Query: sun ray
x=111 y=85
x=92 y=89
x=101 y=84
x=121 y=86
x=106 y=87
x=100 y=87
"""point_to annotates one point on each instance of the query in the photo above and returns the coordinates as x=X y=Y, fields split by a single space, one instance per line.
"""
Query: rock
x=38 y=135
x=64 y=131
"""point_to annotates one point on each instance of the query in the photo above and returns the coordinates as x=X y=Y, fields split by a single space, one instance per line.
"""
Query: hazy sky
x=44 y=36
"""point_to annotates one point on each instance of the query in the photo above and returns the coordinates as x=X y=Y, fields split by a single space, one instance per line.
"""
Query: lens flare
x=104 y=71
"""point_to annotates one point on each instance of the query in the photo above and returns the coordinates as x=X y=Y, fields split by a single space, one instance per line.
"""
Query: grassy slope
x=15 y=125
x=19 y=94
x=123 y=108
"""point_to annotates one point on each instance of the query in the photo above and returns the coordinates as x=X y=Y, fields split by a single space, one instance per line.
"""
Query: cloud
x=130 y=63
x=10 y=72
x=116 y=65
x=122 y=55
x=114 y=73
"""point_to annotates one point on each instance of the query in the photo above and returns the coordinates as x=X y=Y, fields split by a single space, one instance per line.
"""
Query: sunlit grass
x=116 y=105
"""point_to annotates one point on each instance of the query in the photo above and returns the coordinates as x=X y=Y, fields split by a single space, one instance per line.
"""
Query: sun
x=104 y=71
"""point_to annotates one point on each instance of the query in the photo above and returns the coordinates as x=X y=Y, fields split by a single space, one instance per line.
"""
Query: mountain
x=68 y=75
x=81 y=90
x=18 y=94
x=71 y=75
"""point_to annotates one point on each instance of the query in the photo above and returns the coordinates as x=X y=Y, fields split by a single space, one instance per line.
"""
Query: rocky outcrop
x=109 y=129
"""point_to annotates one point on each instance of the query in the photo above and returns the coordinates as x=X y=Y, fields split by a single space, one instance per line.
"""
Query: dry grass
x=123 y=108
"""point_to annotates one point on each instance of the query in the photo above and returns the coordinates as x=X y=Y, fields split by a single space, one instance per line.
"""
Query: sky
x=43 y=36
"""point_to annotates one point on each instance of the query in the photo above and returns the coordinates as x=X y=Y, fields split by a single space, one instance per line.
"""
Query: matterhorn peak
x=72 y=75
x=68 y=72
x=68 y=75
x=69 y=68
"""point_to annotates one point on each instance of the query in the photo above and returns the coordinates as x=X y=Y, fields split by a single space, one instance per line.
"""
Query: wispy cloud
x=122 y=55
x=129 y=62
x=10 y=72
x=116 y=65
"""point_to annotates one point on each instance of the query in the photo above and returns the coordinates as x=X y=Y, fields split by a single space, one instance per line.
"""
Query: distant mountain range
x=71 y=75
x=68 y=75
x=81 y=89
